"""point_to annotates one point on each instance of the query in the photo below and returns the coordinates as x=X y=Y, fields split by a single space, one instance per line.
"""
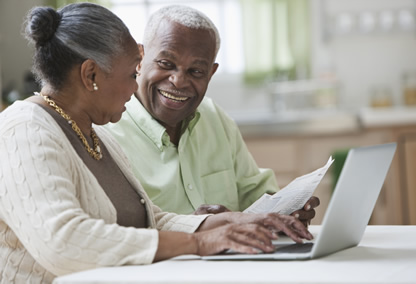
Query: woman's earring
x=94 y=86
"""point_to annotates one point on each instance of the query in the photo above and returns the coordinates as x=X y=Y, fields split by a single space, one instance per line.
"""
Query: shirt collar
x=151 y=127
x=190 y=122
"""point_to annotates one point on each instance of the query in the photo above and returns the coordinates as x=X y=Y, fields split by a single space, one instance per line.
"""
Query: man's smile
x=172 y=97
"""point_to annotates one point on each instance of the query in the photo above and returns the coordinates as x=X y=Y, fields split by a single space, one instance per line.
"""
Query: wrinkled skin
x=249 y=233
x=174 y=74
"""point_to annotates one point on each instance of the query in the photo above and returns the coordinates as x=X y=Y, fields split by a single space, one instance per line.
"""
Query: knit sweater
x=55 y=218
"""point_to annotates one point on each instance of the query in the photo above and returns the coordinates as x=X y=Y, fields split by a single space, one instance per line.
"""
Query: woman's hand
x=241 y=232
x=244 y=238
x=274 y=222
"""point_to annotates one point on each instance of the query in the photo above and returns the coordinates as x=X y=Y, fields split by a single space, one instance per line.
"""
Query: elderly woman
x=68 y=198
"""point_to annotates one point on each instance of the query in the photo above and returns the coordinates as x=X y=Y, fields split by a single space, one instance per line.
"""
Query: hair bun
x=42 y=24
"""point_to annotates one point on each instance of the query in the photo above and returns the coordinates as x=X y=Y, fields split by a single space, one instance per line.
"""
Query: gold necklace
x=96 y=152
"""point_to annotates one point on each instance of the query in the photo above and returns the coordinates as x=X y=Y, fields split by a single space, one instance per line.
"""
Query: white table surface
x=386 y=254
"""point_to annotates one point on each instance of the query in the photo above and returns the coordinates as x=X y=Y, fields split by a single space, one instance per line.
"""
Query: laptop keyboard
x=298 y=248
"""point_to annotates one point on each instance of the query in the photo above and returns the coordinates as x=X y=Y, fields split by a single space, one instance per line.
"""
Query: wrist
x=194 y=241
x=217 y=220
x=230 y=218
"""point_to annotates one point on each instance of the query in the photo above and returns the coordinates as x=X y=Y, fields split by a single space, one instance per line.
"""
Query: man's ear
x=213 y=69
x=141 y=52
x=89 y=70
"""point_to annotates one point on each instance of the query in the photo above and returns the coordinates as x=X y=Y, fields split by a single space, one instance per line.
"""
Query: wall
x=363 y=60
x=15 y=54
x=358 y=61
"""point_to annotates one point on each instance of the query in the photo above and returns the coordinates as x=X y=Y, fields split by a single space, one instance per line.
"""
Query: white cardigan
x=54 y=216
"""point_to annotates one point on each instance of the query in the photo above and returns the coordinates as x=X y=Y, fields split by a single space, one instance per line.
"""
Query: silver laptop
x=348 y=212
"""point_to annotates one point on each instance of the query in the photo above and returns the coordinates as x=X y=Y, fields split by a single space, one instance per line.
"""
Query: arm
x=56 y=209
x=253 y=182
x=244 y=238
x=174 y=230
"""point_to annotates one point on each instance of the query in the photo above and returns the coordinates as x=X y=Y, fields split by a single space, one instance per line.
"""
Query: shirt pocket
x=221 y=188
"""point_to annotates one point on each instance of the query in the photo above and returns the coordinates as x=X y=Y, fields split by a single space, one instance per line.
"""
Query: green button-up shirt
x=210 y=165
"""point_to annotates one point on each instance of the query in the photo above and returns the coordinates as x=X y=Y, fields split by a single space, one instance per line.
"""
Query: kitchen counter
x=296 y=143
x=320 y=122
x=395 y=116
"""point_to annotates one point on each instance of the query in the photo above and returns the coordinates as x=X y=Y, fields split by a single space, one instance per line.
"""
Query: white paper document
x=293 y=196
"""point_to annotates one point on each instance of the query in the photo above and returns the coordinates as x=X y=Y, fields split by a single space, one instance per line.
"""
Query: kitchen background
x=303 y=80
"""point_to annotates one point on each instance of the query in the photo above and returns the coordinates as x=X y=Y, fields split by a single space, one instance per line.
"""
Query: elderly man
x=184 y=149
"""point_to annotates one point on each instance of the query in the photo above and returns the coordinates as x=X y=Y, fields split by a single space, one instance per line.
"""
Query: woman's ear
x=141 y=52
x=89 y=70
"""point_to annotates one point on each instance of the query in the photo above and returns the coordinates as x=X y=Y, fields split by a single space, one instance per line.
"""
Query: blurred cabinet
x=407 y=153
x=291 y=156
x=1 y=86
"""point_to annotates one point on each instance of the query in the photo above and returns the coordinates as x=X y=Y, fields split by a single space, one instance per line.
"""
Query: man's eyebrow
x=170 y=55
x=201 y=62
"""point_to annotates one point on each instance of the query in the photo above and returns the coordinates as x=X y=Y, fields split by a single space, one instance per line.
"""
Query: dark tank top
x=128 y=203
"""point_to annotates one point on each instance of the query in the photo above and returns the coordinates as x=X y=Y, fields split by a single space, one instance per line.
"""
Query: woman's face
x=115 y=88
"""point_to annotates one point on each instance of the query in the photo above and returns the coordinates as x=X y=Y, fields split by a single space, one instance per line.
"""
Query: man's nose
x=179 y=79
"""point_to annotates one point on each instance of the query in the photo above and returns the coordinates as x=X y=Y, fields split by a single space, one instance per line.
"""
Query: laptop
x=348 y=212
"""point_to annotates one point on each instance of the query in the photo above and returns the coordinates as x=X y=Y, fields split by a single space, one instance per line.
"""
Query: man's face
x=176 y=69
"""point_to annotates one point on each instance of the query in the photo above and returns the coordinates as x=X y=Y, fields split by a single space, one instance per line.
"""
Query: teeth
x=169 y=96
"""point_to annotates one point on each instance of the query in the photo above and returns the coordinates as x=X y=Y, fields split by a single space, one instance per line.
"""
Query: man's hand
x=211 y=209
x=307 y=213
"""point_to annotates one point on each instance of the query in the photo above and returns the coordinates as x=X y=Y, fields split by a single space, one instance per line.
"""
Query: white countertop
x=321 y=122
x=392 y=116
x=299 y=122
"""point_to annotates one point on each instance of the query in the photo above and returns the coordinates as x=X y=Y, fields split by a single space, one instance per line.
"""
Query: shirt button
x=190 y=186
x=142 y=201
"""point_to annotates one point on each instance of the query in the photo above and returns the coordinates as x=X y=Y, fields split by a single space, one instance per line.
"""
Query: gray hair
x=183 y=15
x=71 y=35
